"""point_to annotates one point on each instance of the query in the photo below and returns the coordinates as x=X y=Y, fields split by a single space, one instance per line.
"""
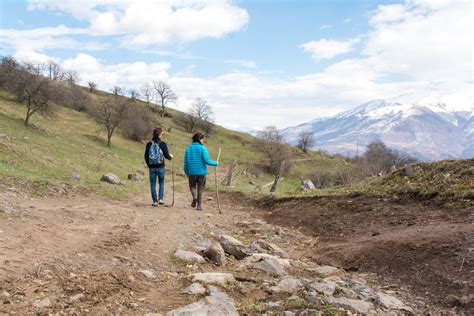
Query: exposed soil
x=86 y=255
x=425 y=248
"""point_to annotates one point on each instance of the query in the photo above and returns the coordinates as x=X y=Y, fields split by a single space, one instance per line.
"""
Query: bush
x=138 y=123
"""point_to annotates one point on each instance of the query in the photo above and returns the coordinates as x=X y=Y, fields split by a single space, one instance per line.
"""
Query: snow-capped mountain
x=427 y=126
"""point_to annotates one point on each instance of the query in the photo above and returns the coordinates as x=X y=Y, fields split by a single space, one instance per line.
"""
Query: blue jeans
x=154 y=173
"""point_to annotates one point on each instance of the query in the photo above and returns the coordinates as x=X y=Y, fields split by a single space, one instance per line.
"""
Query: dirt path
x=68 y=245
x=91 y=255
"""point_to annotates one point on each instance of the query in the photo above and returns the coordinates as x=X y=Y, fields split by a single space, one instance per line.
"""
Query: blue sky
x=256 y=62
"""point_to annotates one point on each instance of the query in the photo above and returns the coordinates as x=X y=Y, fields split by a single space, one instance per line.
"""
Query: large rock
x=307 y=185
x=213 y=278
x=188 y=256
x=325 y=287
x=216 y=304
x=215 y=253
x=287 y=285
x=391 y=303
x=358 y=306
x=234 y=247
x=194 y=289
x=262 y=246
x=326 y=271
x=111 y=178
x=270 y=265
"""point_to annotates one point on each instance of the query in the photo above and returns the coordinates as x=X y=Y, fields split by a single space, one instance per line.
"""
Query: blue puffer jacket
x=196 y=160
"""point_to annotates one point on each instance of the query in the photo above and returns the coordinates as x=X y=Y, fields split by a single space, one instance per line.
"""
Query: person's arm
x=186 y=162
x=207 y=160
x=164 y=149
x=147 y=157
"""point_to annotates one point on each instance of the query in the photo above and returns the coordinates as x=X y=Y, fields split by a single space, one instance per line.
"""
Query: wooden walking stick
x=172 y=177
x=217 y=187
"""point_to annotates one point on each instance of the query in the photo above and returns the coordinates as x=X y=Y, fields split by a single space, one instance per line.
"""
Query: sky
x=256 y=62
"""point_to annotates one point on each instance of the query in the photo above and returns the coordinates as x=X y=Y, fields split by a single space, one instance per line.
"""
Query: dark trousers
x=197 y=185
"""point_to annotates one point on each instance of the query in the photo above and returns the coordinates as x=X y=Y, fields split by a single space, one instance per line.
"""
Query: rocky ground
x=91 y=255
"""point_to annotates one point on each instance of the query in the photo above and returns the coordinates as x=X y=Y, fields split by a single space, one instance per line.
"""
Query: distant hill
x=426 y=126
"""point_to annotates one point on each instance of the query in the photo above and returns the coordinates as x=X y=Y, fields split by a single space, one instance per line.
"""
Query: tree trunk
x=162 y=110
x=278 y=177
x=109 y=137
x=28 y=115
x=230 y=173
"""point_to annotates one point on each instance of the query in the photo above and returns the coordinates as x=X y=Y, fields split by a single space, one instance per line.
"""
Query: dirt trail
x=92 y=255
x=66 y=245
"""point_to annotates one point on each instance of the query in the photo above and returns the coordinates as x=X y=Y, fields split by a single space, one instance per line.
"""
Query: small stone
x=262 y=246
x=132 y=177
x=288 y=285
x=76 y=298
x=195 y=288
x=307 y=185
x=271 y=266
x=111 y=178
x=75 y=176
x=216 y=304
x=215 y=253
x=325 y=287
x=188 y=256
x=358 y=306
x=389 y=302
x=234 y=247
x=149 y=274
x=213 y=278
x=44 y=303
x=326 y=271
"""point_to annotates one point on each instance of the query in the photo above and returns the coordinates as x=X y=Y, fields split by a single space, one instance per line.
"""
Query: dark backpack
x=155 y=154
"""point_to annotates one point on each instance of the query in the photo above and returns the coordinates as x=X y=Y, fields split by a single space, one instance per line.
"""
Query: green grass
x=51 y=149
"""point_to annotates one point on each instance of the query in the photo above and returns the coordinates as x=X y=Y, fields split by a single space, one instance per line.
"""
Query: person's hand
x=171 y=155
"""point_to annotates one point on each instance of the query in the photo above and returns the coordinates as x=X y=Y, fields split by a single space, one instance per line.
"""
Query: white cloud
x=423 y=40
x=347 y=20
x=144 y=23
x=324 y=27
x=128 y=75
x=327 y=49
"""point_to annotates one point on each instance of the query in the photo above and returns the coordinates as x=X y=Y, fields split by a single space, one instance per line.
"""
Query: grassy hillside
x=47 y=153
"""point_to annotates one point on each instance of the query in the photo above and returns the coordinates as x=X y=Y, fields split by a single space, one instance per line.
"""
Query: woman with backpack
x=196 y=159
x=155 y=153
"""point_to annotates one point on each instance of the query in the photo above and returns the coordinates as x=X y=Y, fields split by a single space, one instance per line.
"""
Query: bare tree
x=147 y=92
x=92 y=86
x=198 y=117
x=201 y=110
x=32 y=89
x=116 y=90
x=110 y=112
x=54 y=71
x=71 y=76
x=271 y=144
x=134 y=94
x=305 y=140
x=164 y=95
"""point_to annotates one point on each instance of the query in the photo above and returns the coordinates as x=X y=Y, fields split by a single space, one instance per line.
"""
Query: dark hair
x=157 y=132
x=198 y=136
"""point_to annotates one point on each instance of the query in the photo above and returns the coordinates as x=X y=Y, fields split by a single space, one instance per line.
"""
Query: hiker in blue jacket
x=196 y=159
x=155 y=153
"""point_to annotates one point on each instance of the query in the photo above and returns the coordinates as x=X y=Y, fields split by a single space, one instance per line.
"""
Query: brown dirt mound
x=425 y=248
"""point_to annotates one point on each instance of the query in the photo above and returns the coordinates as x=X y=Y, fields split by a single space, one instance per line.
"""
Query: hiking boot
x=193 y=204
x=198 y=207
x=161 y=202
x=155 y=204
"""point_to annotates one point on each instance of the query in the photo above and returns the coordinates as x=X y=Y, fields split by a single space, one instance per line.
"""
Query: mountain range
x=428 y=127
